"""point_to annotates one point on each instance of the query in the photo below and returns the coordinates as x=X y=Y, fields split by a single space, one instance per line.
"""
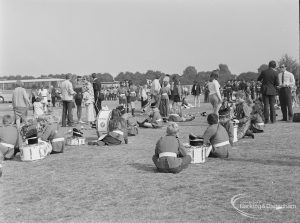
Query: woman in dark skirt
x=177 y=92
x=164 y=103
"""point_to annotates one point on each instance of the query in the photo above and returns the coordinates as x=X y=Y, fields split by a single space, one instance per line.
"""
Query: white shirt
x=289 y=80
x=213 y=87
x=155 y=87
x=67 y=91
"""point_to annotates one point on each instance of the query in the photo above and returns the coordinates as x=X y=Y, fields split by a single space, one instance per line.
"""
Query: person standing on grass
x=132 y=92
x=155 y=88
x=215 y=97
x=67 y=94
x=269 y=79
x=286 y=84
x=170 y=155
x=20 y=103
x=78 y=98
x=196 y=92
x=176 y=93
x=44 y=96
x=164 y=101
x=89 y=100
x=98 y=97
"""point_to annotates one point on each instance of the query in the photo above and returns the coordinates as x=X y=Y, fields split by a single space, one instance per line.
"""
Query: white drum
x=198 y=153
x=35 y=151
x=235 y=128
x=75 y=141
x=102 y=122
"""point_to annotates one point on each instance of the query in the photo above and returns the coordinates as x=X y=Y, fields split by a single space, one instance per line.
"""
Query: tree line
x=189 y=75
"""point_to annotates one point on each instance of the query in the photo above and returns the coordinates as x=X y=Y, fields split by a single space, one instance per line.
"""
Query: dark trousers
x=67 y=112
x=269 y=108
x=285 y=98
x=98 y=105
x=53 y=101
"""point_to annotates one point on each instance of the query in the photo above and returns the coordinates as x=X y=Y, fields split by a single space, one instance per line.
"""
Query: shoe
x=81 y=122
x=283 y=120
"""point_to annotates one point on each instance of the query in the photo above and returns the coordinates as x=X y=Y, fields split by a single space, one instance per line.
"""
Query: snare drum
x=35 y=151
x=198 y=153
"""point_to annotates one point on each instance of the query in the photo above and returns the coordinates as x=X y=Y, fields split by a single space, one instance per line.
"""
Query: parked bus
x=7 y=86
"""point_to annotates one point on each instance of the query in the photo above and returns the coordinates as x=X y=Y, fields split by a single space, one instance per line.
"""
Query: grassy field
x=120 y=183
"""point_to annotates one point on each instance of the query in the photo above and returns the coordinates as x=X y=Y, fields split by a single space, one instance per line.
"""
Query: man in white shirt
x=155 y=88
x=67 y=94
x=286 y=82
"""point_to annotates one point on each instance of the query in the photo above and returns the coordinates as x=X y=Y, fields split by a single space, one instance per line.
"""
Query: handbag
x=296 y=117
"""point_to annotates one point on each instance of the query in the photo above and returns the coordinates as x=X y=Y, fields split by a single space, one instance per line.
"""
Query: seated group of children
x=43 y=128
x=170 y=155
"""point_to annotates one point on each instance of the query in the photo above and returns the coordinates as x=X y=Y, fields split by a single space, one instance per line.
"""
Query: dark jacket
x=97 y=87
x=269 y=79
x=196 y=90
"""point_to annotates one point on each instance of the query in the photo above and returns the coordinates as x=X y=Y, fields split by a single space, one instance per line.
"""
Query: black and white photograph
x=133 y=111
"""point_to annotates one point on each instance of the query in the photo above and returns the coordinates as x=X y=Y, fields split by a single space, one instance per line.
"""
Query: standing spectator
x=206 y=92
x=177 y=92
x=98 y=97
x=20 y=103
x=164 y=101
x=33 y=95
x=43 y=93
x=78 y=97
x=155 y=88
x=196 y=91
x=67 y=94
x=89 y=100
x=286 y=83
x=53 y=96
x=214 y=92
x=132 y=92
x=144 y=97
x=269 y=79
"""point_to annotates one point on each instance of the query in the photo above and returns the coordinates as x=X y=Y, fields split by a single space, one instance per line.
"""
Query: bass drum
x=102 y=121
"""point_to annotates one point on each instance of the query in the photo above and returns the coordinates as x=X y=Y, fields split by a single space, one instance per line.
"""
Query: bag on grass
x=296 y=117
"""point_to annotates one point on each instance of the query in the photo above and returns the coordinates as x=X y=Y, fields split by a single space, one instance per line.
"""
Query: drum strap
x=7 y=145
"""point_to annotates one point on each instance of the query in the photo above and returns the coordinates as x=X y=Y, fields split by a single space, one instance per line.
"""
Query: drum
x=35 y=151
x=102 y=122
x=198 y=153
x=75 y=141
x=235 y=129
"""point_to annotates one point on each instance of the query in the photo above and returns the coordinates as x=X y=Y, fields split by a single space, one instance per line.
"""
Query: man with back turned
x=269 y=79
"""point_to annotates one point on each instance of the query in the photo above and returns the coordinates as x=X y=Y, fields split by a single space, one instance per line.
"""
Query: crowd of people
x=247 y=106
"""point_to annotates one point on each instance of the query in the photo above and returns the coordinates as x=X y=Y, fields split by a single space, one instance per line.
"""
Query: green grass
x=121 y=184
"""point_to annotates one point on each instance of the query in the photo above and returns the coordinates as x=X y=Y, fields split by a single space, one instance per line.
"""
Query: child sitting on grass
x=154 y=121
x=50 y=132
x=225 y=121
x=176 y=115
x=217 y=136
x=10 y=140
x=170 y=155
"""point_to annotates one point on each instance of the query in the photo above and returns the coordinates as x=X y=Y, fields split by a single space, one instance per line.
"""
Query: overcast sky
x=85 y=36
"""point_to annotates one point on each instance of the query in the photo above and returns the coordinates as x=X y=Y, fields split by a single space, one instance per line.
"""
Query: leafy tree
x=291 y=64
x=248 y=76
x=189 y=75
